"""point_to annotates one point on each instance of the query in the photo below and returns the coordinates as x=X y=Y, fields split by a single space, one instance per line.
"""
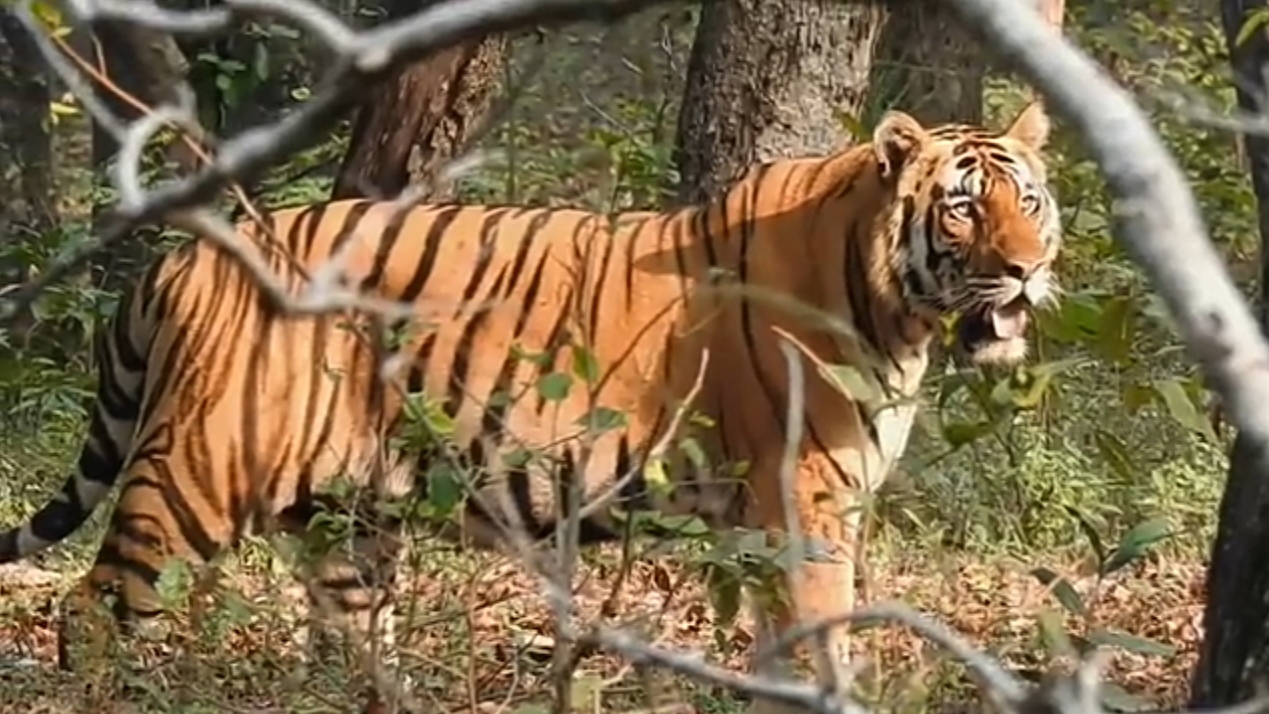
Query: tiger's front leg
x=823 y=587
x=350 y=584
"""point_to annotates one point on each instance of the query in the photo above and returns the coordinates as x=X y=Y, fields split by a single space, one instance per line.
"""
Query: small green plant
x=1089 y=635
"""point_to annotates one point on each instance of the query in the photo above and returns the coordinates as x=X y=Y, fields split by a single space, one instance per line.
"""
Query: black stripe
x=599 y=284
x=521 y=496
x=432 y=242
x=746 y=314
x=556 y=338
x=387 y=242
x=681 y=240
x=484 y=255
x=460 y=373
x=539 y=220
x=706 y=237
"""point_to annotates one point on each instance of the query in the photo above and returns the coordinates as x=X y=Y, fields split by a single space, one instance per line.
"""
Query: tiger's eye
x=963 y=210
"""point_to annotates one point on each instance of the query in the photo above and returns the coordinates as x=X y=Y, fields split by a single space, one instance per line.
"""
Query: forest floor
x=480 y=615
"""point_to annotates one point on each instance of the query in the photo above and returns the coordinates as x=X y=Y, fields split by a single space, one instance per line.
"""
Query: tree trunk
x=148 y=66
x=769 y=79
x=26 y=158
x=24 y=139
x=1234 y=657
x=420 y=118
x=928 y=65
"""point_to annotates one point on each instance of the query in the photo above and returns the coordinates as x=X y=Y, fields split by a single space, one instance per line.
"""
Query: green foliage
x=1256 y=20
x=1089 y=635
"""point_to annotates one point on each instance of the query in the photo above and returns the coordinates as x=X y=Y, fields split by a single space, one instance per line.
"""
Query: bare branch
x=804 y=694
x=1001 y=684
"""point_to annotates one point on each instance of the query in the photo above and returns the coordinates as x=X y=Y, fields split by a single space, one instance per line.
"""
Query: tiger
x=225 y=411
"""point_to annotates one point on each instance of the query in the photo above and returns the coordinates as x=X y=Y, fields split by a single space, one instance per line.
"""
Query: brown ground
x=994 y=604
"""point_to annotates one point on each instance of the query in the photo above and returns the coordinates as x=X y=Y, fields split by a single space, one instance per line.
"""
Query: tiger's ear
x=897 y=138
x=1031 y=126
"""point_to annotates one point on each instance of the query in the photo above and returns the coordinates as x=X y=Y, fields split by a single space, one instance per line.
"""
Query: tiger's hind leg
x=830 y=522
x=150 y=528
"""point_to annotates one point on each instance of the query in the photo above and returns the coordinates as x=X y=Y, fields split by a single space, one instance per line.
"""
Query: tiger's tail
x=120 y=385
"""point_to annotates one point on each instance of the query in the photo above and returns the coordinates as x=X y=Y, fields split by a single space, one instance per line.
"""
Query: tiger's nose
x=1020 y=269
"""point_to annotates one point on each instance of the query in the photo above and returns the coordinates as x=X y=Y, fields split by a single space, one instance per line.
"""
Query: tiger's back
x=299 y=399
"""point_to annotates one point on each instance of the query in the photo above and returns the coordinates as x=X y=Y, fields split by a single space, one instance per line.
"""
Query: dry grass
x=479 y=625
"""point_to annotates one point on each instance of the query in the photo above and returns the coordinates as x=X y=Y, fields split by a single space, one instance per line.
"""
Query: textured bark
x=26 y=158
x=419 y=119
x=1234 y=657
x=146 y=64
x=24 y=139
x=149 y=67
x=769 y=79
x=928 y=64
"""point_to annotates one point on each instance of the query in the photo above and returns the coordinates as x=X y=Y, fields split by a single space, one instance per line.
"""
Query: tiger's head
x=979 y=228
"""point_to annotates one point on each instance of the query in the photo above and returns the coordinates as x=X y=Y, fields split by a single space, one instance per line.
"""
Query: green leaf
x=1182 y=408
x=586 y=690
x=960 y=433
x=695 y=454
x=1136 y=543
x=517 y=458
x=585 y=367
x=851 y=124
x=601 y=419
x=1136 y=395
x=51 y=18
x=260 y=61
x=1117 y=699
x=1131 y=643
x=1086 y=527
x=444 y=489
x=1052 y=634
x=1076 y=321
x=683 y=525
x=1255 y=21
x=655 y=476
x=851 y=382
x=176 y=579
x=554 y=387
x=724 y=595
x=1027 y=386
x=542 y=360
x=1115 y=453
x=1115 y=330
x=1062 y=590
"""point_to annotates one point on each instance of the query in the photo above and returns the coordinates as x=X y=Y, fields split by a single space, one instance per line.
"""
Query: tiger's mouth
x=995 y=334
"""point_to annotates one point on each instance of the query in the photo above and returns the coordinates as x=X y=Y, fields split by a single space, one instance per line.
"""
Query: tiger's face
x=980 y=229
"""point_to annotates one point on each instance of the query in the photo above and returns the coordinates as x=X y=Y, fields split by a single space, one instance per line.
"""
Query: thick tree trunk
x=1234 y=657
x=928 y=64
x=418 y=120
x=24 y=139
x=26 y=158
x=769 y=79
x=148 y=66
